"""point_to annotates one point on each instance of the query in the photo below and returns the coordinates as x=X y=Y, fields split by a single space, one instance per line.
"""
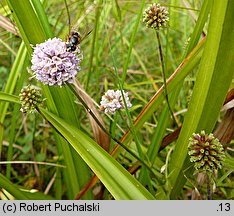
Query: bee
x=74 y=40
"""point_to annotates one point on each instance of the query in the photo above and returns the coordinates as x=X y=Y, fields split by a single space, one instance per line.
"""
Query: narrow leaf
x=213 y=81
x=116 y=179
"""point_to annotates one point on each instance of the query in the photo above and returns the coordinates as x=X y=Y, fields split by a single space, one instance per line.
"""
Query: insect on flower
x=73 y=42
x=74 y=38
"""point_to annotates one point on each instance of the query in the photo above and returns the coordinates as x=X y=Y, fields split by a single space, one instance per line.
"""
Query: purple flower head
x=113 y=100
x=53 y=64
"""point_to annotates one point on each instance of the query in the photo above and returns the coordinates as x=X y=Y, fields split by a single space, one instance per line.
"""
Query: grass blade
x=213 y=81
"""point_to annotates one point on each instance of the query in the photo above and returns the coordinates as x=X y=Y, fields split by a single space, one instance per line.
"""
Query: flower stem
x=209 y=192
x=164 y=76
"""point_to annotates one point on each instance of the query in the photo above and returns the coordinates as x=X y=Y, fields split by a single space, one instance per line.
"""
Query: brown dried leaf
x=225 y=130
x=100 y=136
x=7 y=24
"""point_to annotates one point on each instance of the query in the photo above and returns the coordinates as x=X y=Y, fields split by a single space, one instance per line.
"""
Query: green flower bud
x=30 y=98
x=205 y=151
x=156 y=17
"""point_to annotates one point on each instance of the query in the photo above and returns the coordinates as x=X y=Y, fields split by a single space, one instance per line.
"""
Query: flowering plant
x=52 y=64
x=113 y=100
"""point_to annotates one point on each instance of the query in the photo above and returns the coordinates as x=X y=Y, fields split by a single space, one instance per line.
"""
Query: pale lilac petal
x=53 y=64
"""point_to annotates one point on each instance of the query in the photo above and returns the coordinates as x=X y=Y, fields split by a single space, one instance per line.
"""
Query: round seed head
x=205 y=151
x=156 y=17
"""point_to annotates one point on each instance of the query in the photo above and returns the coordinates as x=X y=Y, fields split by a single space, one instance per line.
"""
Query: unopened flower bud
x=156 y=17
x=30 y=98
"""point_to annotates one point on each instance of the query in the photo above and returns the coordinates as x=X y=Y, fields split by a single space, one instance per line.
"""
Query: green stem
x=164 y=76
x=68 y=14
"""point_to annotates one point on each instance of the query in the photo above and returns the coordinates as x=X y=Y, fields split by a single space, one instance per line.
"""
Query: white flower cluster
x=113 y=100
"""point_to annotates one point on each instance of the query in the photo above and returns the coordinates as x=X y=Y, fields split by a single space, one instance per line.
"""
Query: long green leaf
x=9 y=98
x=10 y=85
x=12 y=79
x=213 y=81
x=229 y=162
x=116 y=179
x=133 y=36
x=182 y=71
